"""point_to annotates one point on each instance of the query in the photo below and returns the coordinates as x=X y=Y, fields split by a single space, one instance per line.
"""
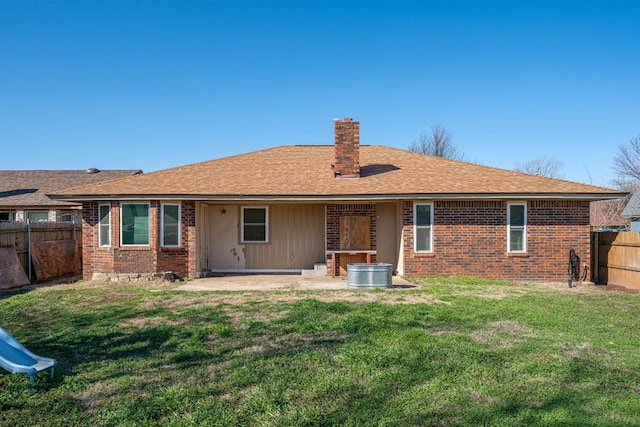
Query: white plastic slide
x=15 y=358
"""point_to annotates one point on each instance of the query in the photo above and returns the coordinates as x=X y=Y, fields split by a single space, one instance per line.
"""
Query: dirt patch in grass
x=215 y=299
x=179 y=302
x=484 y=398
x=502 y=334
x=269 y=344
x=441 y=330
x=583 y=288
x=576 y=350
x=491 y=292
x=97 y=393
x=142 y=322
x=240 y=315
x=518 y=289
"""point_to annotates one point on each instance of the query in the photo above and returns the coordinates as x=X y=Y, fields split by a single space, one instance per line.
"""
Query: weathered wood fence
x=616 y=258
x=20 y=235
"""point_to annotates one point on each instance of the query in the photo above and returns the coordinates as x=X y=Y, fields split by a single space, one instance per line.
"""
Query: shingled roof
x=303 y=172
x=29 y=188
x=633 y=206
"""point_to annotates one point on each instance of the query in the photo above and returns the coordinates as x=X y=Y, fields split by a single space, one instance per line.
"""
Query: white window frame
x=266 y=225
x=516 y=228
x=416 y=227
x=28 y=213
x=162 y=205
x=108 y=205
x=148 y=224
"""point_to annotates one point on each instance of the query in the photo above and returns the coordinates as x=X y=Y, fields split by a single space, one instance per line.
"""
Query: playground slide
x=15 y=358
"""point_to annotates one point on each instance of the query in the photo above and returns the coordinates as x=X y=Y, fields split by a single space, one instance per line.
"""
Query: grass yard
x=448 y=352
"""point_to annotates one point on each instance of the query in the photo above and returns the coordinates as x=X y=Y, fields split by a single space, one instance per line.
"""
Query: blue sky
x=155 y=84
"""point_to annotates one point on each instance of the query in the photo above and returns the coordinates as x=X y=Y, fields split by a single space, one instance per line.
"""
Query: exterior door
x=387 y=234
x=225 y=252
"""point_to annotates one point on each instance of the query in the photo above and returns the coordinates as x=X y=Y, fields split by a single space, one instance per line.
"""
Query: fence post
x=596 y=256
x=29 y=248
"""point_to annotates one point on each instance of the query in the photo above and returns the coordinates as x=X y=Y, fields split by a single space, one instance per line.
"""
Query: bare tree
x=544 y=166
x=606 y=214
x=437 y=143
x=627 y=162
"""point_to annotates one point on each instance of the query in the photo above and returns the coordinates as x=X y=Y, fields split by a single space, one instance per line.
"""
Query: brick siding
x=177 y=259
x=347 y=148
x=470 y=239
x=118 y=259
x=334 y=212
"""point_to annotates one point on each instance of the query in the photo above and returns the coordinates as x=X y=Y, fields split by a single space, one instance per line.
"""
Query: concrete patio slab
x=265 y=282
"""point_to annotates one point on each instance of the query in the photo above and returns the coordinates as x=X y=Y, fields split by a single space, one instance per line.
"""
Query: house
x=632 y=212
x=293 y=208
x=23 y=193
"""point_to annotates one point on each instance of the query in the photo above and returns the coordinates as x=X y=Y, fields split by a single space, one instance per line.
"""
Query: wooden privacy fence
x=617 y=258
x=41 y=243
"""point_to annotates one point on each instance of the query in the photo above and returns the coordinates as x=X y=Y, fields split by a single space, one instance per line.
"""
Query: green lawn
x=448 y=352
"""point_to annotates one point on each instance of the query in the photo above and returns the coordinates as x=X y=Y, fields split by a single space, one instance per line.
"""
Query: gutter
x=346 y=197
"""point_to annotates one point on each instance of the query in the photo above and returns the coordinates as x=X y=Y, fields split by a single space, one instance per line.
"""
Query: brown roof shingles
x=29 y=188
x=305 y=171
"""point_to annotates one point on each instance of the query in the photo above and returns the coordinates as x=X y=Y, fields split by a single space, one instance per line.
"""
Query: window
x=422 y=227
x=517 y=227
x=254 y=225
x=6 y=216
x=38 y=216
x=134 y=224
x=170 y=224
x=104 y=225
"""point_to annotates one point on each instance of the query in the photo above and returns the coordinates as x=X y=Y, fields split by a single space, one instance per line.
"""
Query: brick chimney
x=347 y=146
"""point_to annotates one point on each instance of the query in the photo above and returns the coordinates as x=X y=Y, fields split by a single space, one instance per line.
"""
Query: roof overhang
x=343 y=197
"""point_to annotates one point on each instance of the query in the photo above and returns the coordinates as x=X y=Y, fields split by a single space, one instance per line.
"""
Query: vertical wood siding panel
x=293 y=229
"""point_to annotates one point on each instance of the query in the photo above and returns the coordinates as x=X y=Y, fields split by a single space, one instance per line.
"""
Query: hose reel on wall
x=575 y=270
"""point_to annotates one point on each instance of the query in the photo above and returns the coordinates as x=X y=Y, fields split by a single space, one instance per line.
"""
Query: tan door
x=225 y=252
x=387 y=234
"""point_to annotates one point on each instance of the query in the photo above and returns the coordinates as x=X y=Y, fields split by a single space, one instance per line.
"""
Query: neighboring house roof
x=633 y=206
x=607 y=214
x=304 y=173
x=29 y=188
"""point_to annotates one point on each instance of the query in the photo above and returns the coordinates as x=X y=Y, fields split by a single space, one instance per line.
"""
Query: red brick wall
x=347 y=147
x=177 y=259
x=334 y=212
x=138 y=259
x=89 y=238
x=470 y=239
